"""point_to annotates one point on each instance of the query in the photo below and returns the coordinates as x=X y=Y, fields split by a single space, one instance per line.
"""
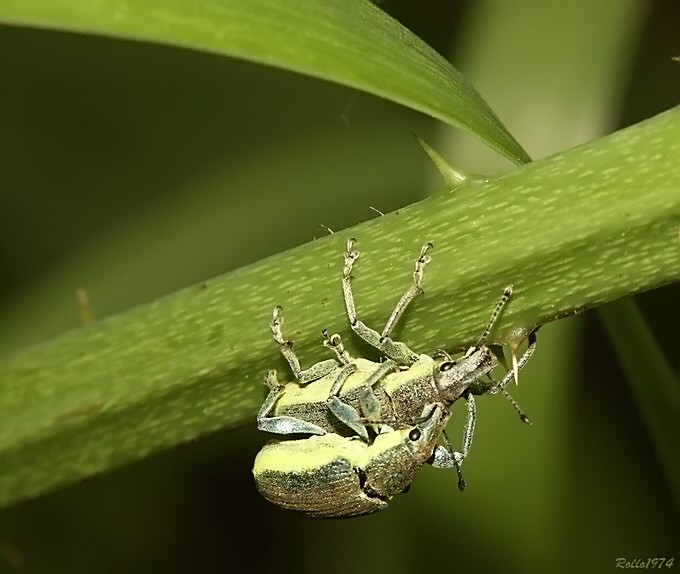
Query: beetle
x=331 y=476
x=342 y=395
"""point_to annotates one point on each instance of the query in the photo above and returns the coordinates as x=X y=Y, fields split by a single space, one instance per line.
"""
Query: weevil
x=331 y=476
x=342 y=395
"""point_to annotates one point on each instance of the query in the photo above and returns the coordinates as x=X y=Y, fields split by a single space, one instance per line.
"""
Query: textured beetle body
x=309 y=402
x=401 y=394
x=334 y=476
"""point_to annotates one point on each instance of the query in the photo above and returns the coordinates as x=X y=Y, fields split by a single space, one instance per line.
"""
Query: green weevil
x=342 y=395
x=331 y=476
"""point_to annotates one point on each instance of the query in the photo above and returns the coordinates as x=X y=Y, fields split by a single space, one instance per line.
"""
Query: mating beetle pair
x=338 y=401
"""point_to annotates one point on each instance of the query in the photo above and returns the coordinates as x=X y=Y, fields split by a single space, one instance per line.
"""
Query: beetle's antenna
x=369 y=421
x=519 y=410
x=461 y=480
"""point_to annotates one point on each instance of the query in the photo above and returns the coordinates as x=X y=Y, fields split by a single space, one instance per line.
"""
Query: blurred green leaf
x=351 y=42
x=652 y=379
x=570 y=232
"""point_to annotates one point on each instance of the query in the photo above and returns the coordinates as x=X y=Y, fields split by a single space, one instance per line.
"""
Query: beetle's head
x=454 y=377
x=395 y=457
x=425 y=433
x=413 y=445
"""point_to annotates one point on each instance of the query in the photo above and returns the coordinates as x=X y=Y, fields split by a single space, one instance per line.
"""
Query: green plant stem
x=569 y=232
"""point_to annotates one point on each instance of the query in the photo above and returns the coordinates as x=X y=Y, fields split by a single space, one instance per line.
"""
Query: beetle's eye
x=414 y=434
x=447 y=366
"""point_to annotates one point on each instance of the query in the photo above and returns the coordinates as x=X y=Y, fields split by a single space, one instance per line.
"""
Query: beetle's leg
x=447 y=458
x=519 y=365
x=507 y=293
x=412 y=292
x=334 y=342
x=369 y=404
x=347 y=414
x=286 y=347
x=394 y=350
x=370 y=409
x=344 y=412
x=284 y=424
x=491 y=387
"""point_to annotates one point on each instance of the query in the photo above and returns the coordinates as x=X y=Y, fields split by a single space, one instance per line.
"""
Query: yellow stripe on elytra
x=421 y=370
x=316 y=452
x=317 y=391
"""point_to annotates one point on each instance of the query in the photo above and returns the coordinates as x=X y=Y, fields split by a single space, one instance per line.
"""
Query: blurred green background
x=132 y=170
